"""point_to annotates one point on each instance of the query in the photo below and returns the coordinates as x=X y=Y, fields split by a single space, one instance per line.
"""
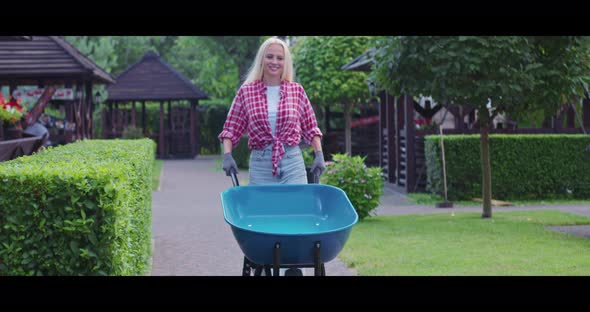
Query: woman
x=276 y=113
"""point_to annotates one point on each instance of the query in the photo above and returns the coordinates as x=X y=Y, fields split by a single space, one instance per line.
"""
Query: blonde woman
x=276 y=114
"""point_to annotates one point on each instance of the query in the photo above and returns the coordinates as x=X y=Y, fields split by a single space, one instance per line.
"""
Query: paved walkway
x=191 y=237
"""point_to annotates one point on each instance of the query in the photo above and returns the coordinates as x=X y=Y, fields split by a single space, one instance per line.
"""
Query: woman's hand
x=229 y=164
x=318 y=165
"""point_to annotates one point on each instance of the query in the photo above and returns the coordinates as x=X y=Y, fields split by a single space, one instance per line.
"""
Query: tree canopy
x=212 y=63
x=515 y=72
x=318 y=64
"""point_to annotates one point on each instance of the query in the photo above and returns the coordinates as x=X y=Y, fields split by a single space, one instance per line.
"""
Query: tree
x=318 y=64
x=205 y=62
x=242 y=49
x=515 y=74
x=115 y=53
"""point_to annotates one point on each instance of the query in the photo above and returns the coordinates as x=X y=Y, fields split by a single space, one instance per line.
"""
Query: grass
x=511 y=243
x=157 y=171
x=431 y=199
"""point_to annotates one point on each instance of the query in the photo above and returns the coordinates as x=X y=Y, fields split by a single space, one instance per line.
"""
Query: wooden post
x=104 y=122
x=143 y=125
x=133 y=114
x=82 y=113
x=388 y=105
x=410 y=144
x=88 y=110
x=455 y=111
x=586 y=114
x=193 y=127
x=169 y=115
x=113 y=120
x=571 y=118
x=557 y=120
x=399 y=128
x=161 y=141
x=69 y=108
x=383 y=154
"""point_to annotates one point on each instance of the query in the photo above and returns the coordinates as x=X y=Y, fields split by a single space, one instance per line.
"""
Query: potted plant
x=11 y=113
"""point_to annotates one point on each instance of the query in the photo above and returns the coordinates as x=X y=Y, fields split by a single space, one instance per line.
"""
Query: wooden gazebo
x=152 y=79
x=51 y=64
x=401 y=145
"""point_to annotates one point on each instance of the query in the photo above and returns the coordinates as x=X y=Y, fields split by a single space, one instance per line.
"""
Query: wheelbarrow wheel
x=294 y=272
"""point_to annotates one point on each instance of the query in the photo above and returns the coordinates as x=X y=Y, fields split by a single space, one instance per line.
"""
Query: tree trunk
x=347 y=130
x=486 y=167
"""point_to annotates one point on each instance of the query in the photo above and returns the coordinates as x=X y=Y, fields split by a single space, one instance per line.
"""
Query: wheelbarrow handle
x=316 y=178
x=234 y=178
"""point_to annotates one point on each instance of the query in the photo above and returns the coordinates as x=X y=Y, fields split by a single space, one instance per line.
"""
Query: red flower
x=14 y=103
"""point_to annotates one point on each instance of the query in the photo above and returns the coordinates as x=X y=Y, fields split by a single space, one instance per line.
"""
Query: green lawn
x=442 y=244
x=156 y=174
x=431 y=199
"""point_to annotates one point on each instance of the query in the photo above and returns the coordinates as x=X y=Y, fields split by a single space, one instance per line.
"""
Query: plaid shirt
x=249 y=112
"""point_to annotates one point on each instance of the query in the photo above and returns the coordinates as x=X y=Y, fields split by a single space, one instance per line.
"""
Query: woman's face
x=274 y=61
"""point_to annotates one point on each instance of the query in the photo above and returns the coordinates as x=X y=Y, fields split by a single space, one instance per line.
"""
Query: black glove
x=318 y=165
x=229 y=164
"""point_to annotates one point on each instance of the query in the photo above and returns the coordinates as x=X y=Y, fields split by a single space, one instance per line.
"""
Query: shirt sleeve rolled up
x=236 y=121
x=309 y=124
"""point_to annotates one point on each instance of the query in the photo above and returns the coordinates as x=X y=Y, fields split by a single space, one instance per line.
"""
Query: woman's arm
x=235 y=124
x=316 y=143
x=227 y=145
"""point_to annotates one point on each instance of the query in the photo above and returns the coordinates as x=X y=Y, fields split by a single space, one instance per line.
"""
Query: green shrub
x=78 y=209
x=362 y=185
x=308 y=156
x=524 y=166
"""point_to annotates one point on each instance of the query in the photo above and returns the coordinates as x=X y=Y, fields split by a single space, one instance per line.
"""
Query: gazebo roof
x=15 y=38
x=31 y=59
x=152 y=79
x=362 y=62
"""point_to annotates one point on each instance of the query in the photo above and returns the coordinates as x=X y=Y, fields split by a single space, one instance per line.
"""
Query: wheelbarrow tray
x=297 y=217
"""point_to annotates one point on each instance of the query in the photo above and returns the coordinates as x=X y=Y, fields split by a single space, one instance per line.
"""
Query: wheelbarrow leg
x=319 y=268
x=276 y=258
x=262 y=268
x=258 y=270
x=247 y=267
x=267 y=271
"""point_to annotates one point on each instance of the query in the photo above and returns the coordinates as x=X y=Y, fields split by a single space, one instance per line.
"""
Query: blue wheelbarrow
x=288 y=225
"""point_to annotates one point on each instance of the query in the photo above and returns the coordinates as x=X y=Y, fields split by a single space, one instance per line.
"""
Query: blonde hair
x=256 y=71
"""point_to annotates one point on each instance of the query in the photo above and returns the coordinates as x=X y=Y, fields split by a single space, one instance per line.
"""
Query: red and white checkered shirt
x=249 y=112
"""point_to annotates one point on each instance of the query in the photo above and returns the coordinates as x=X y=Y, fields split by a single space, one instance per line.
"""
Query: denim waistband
x=267 y=151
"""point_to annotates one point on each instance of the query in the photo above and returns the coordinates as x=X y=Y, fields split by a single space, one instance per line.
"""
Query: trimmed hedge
x=524 y=166
x=78 y=209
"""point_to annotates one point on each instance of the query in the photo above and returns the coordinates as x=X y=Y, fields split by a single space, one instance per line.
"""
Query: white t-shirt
x=272 y=97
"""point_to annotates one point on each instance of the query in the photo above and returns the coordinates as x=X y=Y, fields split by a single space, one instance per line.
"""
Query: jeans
x=291 y=168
